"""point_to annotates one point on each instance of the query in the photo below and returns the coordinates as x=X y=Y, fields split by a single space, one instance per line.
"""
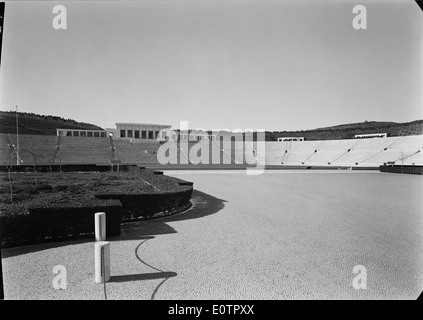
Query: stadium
x=297 y=230
x=103 y=148
x=107 y=193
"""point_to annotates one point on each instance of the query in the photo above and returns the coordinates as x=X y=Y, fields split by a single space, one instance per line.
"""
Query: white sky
x=275 y=65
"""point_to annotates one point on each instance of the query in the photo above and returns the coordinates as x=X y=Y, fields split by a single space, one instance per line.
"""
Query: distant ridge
x=31 y=123
x=348 y=131
x=371 y=125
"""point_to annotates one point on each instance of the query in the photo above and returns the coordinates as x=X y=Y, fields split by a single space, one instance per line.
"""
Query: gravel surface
x=281 y=235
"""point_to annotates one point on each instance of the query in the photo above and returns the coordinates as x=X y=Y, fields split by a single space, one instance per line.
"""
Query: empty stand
x=325 y=152
x=348 y=152
x=302 y=153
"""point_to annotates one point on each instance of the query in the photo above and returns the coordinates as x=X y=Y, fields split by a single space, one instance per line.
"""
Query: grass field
x=281 y=235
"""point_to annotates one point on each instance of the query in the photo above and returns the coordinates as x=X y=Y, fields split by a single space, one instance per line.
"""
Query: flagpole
x=17 y=138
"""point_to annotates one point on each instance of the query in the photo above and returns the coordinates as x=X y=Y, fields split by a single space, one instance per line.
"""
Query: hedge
x=61 y=206
x=186 y=183
x=66 y=168
x=406 y=169
x=151 y=205
x=22 y=225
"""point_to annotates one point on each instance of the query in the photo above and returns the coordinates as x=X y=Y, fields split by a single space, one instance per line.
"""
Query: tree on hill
x=30 y=123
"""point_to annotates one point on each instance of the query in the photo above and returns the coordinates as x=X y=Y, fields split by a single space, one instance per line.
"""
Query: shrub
x=45 y=219
x=141 y=201
x=151 y=205
x=406 y=169
x=185 y=183
x=61 y=206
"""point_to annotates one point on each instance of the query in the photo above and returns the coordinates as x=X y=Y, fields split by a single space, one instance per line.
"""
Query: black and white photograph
x=228 y=152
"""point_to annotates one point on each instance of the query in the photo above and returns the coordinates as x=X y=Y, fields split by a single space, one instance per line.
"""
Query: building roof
x=78 y=129
x=142 y=124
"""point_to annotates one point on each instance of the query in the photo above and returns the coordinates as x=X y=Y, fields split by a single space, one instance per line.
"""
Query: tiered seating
x=222 y=152
x=364 y=151
x=274 y=153
x=250 y=153
x=400 y=147
x=215 y=153
x=415 y=159
x=242 y=151
x=77 y=150
x=351 y=152
x=186 y=150
x=137 y=152
x=330 y=151
x=301 y=152
x=192 y=152
x=348 y=152
x=228 y=151
x=44 y=147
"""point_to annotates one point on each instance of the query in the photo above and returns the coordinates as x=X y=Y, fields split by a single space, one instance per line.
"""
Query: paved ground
x=281 y=235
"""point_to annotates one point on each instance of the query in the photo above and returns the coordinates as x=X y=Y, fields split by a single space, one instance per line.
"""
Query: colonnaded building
x=137 y=132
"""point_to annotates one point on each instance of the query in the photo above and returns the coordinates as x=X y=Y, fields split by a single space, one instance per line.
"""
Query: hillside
x=30 y=123
x=348 y=131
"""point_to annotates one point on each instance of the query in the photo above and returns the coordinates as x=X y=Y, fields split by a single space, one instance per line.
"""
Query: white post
x=102 y=261
x=100 y=226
